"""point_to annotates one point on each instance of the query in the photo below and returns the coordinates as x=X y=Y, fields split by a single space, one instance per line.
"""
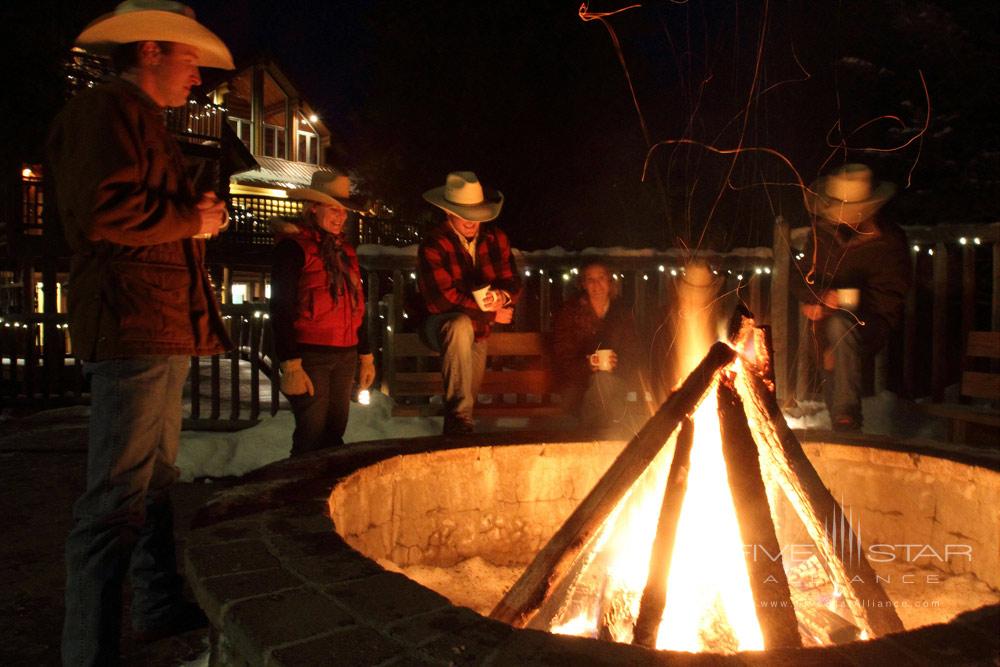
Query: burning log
x=553 y=561
x=767 y=576
x=819 y=511
x=822 y=625
x=654 y=596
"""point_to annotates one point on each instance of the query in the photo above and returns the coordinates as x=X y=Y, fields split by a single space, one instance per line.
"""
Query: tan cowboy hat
x=328 y=187
x=463 y=195
x=846 y=195
x=157 y=21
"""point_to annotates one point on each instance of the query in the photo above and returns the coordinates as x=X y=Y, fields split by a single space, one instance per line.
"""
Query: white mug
x=480 y=296
x=602 y=359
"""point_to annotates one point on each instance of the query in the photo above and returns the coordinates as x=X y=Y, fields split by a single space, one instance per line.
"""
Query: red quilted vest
x=321 y=320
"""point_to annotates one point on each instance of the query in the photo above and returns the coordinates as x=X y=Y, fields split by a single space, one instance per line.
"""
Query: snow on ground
x=205 y=454
x=884 y=414
x=214 y=454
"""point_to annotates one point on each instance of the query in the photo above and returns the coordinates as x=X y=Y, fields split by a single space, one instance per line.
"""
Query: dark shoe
x=456 y=425
x=846 y=424
x=186 y=617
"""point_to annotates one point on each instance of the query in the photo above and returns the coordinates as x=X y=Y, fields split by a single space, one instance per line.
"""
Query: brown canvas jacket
x=138 y=283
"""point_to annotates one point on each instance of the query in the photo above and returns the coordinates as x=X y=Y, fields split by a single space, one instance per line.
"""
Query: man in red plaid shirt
x=469 y=282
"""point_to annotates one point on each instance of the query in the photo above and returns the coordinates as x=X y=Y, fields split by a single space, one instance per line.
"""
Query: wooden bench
x=517 y=378
x=976 y=384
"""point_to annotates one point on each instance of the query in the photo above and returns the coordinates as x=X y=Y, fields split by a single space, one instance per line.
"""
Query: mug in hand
x=222 y=227
x=602 y=359
x=480 y=295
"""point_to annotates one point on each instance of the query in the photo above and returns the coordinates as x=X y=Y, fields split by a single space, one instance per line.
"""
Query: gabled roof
x=269 y=66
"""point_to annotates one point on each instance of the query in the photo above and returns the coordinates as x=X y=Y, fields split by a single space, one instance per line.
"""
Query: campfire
x=675 y=547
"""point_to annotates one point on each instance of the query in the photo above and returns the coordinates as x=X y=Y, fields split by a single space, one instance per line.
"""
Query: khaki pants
x=463 y=360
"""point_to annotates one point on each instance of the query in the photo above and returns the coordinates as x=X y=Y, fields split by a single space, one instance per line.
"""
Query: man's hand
x=813 y=311
x=504 y=316
x=212 y=211
x=294 y=379
x=818 y=311
x=366 y=374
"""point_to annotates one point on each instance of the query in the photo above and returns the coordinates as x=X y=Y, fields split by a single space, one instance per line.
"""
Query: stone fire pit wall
x=499 y=503
x=282 y=584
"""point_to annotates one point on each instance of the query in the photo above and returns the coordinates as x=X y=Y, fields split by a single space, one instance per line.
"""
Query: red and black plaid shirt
x=447 y=276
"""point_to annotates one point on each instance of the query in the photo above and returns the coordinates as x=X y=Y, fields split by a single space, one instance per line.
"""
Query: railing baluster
x=236 y=332
x=216 y=400
x=195 y=388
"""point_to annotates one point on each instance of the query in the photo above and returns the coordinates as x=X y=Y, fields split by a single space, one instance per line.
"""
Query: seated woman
x=596 y=385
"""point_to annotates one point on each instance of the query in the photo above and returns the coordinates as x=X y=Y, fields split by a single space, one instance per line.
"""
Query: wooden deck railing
x=956 y=272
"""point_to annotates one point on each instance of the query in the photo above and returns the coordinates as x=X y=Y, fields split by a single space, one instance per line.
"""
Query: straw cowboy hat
x=328 y=187
x=157 y=21
x=846 y=195
x=463 y=195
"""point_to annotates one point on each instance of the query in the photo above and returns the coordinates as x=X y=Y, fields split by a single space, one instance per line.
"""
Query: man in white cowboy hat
x=469 y=281
x=140 y=305
x=318 y=313
x=852 y=282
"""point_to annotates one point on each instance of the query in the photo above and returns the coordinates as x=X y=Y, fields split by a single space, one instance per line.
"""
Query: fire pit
x=284 y=586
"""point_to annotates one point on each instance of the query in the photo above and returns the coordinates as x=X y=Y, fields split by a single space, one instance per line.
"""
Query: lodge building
x=249 y=137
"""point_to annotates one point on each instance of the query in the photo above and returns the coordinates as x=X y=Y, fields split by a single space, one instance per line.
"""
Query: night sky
x=537 y=102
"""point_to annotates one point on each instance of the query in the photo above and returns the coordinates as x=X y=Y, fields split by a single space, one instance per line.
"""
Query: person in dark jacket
x=140 y=304
x=318 y=313
x=852 y=282
x=597 y=353
x=457 y=260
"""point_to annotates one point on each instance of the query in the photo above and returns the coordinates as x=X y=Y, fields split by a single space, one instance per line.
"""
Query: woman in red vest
x=318 y=313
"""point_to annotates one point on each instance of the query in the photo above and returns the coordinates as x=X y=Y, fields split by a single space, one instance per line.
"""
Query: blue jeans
x=321 y=419
x=123 y=523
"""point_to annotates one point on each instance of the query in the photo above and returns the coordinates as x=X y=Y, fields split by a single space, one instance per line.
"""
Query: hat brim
x=485 y=212
x=308 y=194
x=102 y=35
x=848 y=213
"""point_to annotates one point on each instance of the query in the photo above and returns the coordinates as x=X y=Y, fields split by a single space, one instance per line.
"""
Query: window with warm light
x=308 y=140
x=238 y=292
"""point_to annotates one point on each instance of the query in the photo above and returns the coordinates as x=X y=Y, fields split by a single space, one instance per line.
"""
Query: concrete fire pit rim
x=263 y=542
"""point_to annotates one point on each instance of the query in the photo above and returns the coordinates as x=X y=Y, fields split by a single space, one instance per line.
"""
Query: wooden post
x=552 y=562
x=819 y=511
x=995 y=302
x=544 y=301
x=773 y=600
x=968 y=292
x=910 y=331
x=654 y=595
x=780 y=319
x=939 y=322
